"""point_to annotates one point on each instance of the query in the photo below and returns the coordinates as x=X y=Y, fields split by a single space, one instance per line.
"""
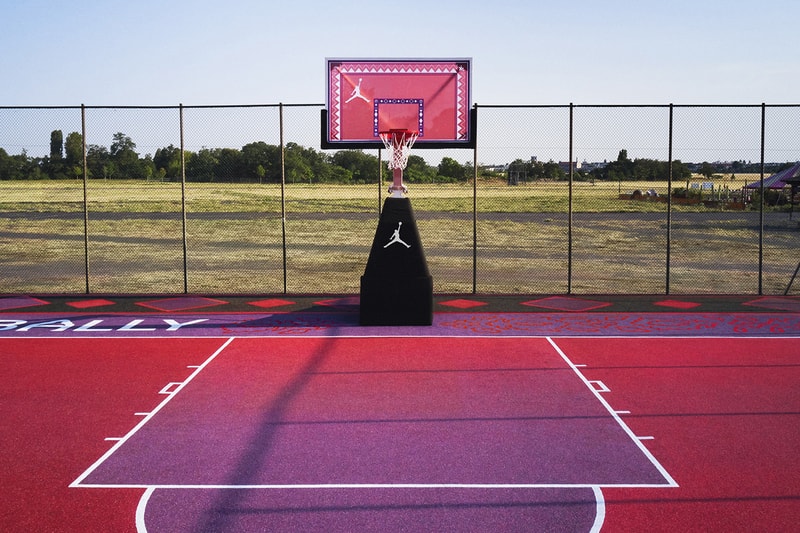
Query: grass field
x=235 y=238
x=493 y=196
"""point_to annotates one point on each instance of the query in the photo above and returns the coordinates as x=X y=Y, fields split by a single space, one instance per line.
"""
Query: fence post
x=85 y=200
x=569 y=208
x=761 y=207
x=475 y=215
x=183 y=205
x=669 y=202
x=380 y=182
x=283 y=193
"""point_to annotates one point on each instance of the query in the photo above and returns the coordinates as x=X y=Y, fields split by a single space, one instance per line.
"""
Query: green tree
x=26 y=168
x=648 y=170
x=452 y=169
x=144 y=168
x=552 y=171
x=73 y=150
x=99 y=163
x=339 y=175
x=680 y=172
x=363 y=168
x=201 y=166
x=519 y=171
x=121 y=145
x=7 y=166
x=229 y=167
x=261 y=161
x=53 y=165
x=418 y=171
x=167 y=163
x=707 y=169
x=620 y=170
x=298 y=169
x=321 y=165
x=56 y=145
x=123 y=155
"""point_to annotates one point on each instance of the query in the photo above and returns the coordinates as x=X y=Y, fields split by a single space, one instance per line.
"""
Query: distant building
x=588 y=167
x=564 y=165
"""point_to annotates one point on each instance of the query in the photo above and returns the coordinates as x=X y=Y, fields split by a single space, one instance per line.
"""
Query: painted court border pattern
x=457 y=315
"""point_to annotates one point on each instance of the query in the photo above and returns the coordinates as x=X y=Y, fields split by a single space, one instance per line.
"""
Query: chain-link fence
x=553 y=199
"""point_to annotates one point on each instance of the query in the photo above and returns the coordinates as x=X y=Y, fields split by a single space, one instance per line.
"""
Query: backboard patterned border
x=337 y=95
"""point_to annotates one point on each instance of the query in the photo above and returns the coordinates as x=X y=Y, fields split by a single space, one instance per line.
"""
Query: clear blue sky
x=524 y=51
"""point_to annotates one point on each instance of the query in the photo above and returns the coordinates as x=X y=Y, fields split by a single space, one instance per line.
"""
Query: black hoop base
x=396 y=288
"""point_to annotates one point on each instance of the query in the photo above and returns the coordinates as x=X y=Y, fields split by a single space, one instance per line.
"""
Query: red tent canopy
x=779 y=180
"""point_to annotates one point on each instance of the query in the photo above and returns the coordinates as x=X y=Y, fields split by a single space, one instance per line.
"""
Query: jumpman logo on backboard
x=357 y=94
x=396 y=238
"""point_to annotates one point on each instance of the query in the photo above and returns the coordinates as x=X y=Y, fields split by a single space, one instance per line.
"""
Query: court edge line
x=384 y=486
x=615 y=415
x=410 y=335
x=137 y=427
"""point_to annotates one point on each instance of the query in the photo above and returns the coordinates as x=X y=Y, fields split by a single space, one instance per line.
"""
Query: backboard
x=368 y=96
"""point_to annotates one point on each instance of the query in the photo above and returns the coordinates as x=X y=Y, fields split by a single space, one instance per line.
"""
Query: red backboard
x=367 y=96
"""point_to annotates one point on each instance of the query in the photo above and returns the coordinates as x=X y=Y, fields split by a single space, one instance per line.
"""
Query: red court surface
x=372 y=433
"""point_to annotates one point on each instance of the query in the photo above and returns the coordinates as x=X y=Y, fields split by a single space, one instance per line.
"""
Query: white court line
x=599 y=515
x=77 y=482
x=616 y=416
x=393 y=485
x=171 y=387
x=141 y=527
x=501 y=335
x=600 y=512
x=191 y=486
x=599 y=386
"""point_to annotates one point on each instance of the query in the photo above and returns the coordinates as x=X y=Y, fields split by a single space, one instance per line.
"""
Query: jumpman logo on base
x=357 y=94
x=396 y=238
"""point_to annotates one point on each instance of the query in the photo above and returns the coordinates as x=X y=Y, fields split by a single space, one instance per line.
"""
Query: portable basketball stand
x=397 y=288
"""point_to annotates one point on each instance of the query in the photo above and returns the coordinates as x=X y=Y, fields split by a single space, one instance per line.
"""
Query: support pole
x=283 y=198
x=85 y=199
x=761 y=207
x=669 y=203
x=475 y=219
x=183 y=207
x=397 y=189
x=569 y=204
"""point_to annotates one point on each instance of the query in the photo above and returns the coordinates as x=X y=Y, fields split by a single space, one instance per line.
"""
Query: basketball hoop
x=398 y=142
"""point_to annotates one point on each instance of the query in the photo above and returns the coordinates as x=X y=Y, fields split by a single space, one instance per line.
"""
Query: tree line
x=257 y=162
x=623 y=169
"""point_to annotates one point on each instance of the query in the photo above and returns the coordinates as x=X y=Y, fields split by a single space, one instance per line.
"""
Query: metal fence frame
x=479 y=109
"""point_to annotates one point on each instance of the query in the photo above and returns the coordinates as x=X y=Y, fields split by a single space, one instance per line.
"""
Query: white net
x=399 y=143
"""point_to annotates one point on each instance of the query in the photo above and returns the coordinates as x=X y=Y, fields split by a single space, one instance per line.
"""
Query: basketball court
x=559 y=413
x=459 y=413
